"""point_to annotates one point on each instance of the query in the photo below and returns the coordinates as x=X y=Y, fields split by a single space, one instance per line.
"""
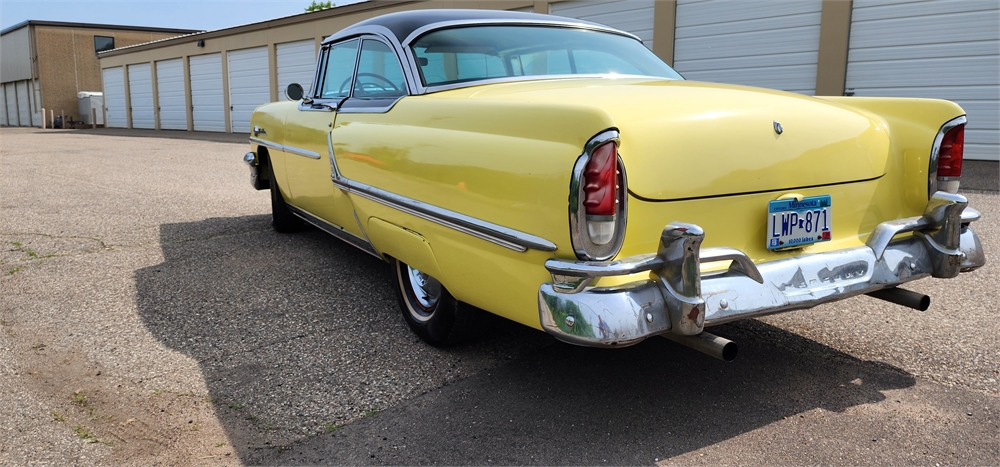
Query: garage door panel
x=922 y=51
x=928 y=72
x=207 y=101
x=866 y=10
x=634 y=16
x=296 y=64
x=743 y=63
x=249 y=85
x=786 y=78
x=3 y=107
x=746 y=26
x=705 y=13
x=170 y=94
x=140 y=85
x=970 y=26
x=951 y=93
x=758 y=43
x=114 y=97
x=23 y=103
x=981 y=152
x=10 y=95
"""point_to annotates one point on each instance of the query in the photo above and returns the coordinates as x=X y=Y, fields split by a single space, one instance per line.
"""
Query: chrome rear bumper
x=678 y=299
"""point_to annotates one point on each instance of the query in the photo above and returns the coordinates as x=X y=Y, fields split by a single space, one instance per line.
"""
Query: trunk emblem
x=777 y=128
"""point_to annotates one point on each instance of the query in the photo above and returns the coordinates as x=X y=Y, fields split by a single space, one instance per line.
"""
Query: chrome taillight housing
x=598 y=195
x=945 y=171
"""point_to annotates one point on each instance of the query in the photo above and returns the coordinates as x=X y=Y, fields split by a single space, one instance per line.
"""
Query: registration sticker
x=797 y=223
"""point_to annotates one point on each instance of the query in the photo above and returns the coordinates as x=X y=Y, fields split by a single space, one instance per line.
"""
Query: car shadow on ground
x=307 y=360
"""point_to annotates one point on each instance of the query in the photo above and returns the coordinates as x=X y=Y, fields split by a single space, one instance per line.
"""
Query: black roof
x=403 y=23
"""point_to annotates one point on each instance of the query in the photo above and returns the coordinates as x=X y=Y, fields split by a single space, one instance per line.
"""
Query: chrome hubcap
x=426 y=289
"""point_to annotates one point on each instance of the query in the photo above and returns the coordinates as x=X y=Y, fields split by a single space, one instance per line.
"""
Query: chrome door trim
x=288 y=149
x=335 y=230
x=493 y=233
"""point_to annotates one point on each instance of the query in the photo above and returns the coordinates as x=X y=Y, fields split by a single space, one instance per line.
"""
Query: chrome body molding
x=283 y=148
x=360 y=243
x=932 y=178
x=493 y=233
x=678 y=298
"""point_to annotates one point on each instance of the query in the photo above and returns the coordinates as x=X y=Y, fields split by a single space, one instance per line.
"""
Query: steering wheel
x=374 y=86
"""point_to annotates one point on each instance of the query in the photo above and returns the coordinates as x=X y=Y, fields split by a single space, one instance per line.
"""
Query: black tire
x=282 y=218
x=435 y=316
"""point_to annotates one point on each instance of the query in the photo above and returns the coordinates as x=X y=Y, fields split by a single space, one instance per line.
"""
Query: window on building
x=102 y=43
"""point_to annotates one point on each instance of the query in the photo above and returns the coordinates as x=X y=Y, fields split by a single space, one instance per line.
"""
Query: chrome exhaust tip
x=709 y=344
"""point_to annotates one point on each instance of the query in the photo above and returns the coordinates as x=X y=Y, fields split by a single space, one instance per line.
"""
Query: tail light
x=597 y=200
x=600 y=189
x=946 y=160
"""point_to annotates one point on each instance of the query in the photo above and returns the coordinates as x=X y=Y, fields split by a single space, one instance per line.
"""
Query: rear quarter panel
x=508 y=163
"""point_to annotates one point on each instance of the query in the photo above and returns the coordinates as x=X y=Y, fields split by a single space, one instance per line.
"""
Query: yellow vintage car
x=558 y=174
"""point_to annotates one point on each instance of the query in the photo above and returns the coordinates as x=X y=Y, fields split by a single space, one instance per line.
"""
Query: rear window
x=475 y=53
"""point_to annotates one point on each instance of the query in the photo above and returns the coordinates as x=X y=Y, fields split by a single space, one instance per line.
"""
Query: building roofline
x=120 y=27
x=261 y=25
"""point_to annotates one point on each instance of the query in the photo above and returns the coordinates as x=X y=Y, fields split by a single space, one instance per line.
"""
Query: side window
x=379 y=72
x=340 y=60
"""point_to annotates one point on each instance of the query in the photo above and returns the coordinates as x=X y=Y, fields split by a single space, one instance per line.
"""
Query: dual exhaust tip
x=727 y=350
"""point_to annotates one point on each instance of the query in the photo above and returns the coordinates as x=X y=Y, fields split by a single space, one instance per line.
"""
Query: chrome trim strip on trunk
x=493 y=233
x=335 y=230
x=283 y=148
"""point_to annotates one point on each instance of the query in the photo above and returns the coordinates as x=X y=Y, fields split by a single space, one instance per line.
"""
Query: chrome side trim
x=360 y=243
x=584 y=248
x=932 y=178
x=493 y=233
x=283 y=148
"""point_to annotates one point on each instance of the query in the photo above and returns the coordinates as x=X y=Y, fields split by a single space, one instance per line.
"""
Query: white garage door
x=23 y=104
x=10 y=96
x=114 y=97
x=170 y=94
x=249 y=85
x=296 y=64
x=634 y=16
x=3 y=107
x=939 y=49
x=140 y=86
x=207 y=102
x=761 y=43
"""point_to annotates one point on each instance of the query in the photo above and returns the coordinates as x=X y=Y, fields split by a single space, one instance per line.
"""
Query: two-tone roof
x=403 y=26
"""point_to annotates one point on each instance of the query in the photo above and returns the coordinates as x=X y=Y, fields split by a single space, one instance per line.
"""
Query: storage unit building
x=45 y=64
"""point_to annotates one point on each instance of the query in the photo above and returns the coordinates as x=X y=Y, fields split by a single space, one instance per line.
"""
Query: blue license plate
x=797 y=223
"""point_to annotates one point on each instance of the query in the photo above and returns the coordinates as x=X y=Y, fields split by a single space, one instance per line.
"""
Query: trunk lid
x=687 y=139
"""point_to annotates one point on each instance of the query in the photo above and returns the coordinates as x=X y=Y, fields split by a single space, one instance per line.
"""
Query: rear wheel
x=432 y=313
x=282 y=218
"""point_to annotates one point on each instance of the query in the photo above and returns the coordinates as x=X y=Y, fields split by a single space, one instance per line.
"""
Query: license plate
x=795 y=224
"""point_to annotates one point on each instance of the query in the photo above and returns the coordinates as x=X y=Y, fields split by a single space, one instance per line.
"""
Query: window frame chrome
x=343 y=105
x=932 y=178
x=579 y=235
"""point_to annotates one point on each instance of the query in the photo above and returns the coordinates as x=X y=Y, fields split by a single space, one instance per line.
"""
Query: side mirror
x=294 y=91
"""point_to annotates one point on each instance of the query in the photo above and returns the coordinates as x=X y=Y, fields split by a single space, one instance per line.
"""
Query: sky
x=203 y=15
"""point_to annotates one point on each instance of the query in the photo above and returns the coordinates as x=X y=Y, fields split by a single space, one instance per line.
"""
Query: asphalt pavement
x=149 y=315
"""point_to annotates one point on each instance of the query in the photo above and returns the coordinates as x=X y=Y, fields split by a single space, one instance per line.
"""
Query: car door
x=308 y=162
